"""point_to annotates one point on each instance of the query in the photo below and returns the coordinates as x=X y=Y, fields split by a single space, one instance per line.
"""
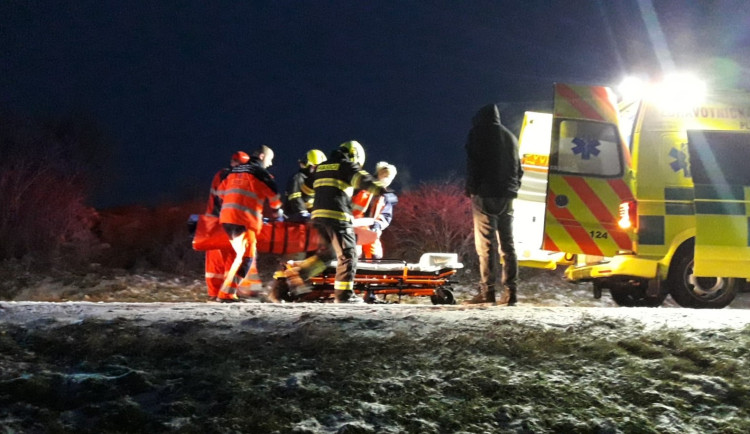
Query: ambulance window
x=719 y=157
x=588 y=148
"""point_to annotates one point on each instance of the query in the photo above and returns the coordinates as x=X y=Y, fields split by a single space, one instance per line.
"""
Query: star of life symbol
x=586 y=148
x=680 y=161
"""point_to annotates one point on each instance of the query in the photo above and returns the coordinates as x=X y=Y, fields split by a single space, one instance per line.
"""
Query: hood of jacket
x=487 y=115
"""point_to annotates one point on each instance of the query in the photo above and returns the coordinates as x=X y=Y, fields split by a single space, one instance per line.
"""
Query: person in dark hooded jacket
x=493 y=177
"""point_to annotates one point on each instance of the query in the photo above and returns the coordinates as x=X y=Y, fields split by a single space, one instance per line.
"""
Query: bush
x=43 y=187
x=141 y=238
x=435 y=217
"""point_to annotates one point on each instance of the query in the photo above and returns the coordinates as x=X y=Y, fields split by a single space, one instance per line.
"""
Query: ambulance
x=644 y=194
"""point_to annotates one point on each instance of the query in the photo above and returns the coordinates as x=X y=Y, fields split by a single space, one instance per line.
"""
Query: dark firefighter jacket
x=296 y=203
x=332 y=184
x=493 y=168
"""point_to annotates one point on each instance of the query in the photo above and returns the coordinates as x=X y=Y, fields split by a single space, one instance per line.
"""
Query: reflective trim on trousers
x=343 y=285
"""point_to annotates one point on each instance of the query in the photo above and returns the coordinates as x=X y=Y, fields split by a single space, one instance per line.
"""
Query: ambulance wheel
x=443 y=296
x=635 y=296
x=280 y=291
x=698 y=292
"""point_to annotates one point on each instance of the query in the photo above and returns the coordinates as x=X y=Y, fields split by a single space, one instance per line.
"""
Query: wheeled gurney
x=376 y=280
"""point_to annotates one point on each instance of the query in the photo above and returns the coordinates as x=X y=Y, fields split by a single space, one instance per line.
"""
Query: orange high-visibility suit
x=380 y=208
x=217 y=261
x=243 y=192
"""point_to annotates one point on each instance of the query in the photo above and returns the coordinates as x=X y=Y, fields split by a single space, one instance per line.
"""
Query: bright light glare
x=678 y=92
x=631 y=89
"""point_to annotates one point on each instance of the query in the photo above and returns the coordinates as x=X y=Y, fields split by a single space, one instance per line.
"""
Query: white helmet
x=355 y=151
x=385 y=172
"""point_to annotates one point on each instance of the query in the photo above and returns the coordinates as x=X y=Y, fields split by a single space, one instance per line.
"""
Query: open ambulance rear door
x=719 y=165
x=528 y=208
x=588 y=188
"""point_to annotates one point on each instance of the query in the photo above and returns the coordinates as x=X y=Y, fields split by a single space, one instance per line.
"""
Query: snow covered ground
x=561 y=361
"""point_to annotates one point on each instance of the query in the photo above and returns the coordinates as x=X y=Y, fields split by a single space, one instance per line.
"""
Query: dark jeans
x=493 y=226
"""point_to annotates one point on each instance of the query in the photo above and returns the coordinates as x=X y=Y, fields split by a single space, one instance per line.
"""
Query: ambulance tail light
x=628 y=214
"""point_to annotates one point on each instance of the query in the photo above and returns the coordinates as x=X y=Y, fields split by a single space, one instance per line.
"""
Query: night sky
x=177 y=86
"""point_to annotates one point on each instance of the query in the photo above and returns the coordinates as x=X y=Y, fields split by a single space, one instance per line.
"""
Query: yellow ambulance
x=644 y=195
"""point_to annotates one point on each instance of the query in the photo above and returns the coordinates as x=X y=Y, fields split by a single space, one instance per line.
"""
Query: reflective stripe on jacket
x=296 y=203
x=243 y=193
x=360 y=203
x=213 y=207
x=379 y=208
x=333 y=183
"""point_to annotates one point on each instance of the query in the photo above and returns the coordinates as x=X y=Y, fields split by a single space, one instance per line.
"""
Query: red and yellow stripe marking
x=586 y=204
x=576 y=231
x=594 y=103
x=599 y=210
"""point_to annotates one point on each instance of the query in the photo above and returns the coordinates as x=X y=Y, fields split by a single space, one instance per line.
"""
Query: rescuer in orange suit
x=379 y=208
x=243 y=193
x=220 y=260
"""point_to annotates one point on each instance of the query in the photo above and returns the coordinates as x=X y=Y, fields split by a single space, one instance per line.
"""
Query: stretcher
x=275 y=237
x=377 y=280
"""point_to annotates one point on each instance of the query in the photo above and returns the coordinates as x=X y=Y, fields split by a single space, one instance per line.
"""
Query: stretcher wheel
x=443 y=296
x=280 y=291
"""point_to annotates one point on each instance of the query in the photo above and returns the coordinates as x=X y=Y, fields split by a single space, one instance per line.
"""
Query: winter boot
x=508 y=298
x=484 y=297
x=346 y=296
x=227 y=298
x=297 y=285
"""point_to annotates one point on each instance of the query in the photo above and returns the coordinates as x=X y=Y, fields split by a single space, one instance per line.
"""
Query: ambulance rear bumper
x=542 y=258
x=623 y=265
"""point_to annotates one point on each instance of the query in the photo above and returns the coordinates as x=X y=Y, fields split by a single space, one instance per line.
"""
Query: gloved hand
x=278 y=215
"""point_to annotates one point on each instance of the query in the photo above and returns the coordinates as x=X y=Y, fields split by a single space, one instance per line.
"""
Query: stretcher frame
x=377 y=279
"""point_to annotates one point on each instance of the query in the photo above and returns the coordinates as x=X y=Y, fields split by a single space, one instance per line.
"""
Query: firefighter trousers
x=337 y=241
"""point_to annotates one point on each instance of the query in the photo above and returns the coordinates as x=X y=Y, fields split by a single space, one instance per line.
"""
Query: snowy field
x=561 y=361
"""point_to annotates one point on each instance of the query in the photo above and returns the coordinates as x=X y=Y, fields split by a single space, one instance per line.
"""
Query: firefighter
x=296 y=205
x=379 y=208
x=219 y=261
x=243 y=193
x=332 y=184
